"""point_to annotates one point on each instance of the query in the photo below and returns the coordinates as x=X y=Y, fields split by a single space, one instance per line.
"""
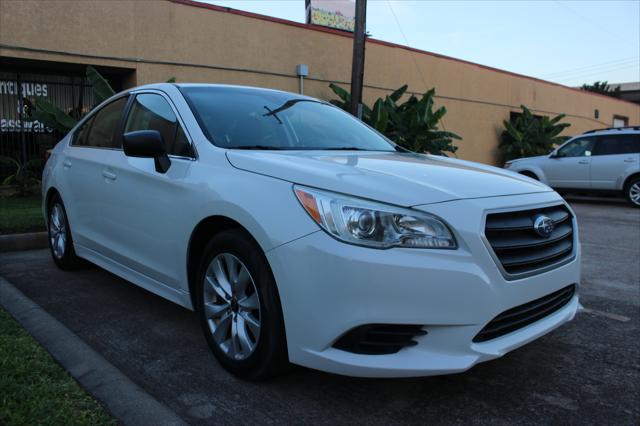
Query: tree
x=529 y=135
x=601 y=87
x=412 y=124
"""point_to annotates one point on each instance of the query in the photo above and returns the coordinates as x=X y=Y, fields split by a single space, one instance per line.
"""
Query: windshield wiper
x=287 y=105
x=257 y=147
x=346 y=148
x=272 y=113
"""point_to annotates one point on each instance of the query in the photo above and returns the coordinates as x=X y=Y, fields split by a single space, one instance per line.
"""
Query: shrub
x=529 y=135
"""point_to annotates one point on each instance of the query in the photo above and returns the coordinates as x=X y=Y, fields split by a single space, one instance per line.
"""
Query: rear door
x=612 y=155
x=569 y=166
x=92 y=147
x=145 y=208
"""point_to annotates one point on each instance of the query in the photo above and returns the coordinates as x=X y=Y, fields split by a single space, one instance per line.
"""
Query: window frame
x=599 y=141
x=573 y=140
x=92 y=115
x=181 y=122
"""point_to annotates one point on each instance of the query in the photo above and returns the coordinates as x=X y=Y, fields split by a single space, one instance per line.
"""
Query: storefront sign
x=11 y=94
x=338 y=14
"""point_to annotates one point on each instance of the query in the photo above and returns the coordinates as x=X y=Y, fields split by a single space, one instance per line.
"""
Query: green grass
x=21 y=214
x=34 y=389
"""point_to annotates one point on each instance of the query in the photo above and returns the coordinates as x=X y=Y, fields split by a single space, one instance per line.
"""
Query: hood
x=404 y=179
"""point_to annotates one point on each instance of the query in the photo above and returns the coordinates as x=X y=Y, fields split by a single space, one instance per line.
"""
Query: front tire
x=632 y=191
x=60 y=241
x=239 y=307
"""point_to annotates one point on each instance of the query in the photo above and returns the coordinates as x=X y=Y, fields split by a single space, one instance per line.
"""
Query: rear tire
x=239 y=308
x=632 y=191
x=60 y=240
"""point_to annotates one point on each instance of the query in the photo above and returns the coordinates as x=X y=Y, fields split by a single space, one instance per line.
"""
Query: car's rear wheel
x=60 y=241
x=239 y=308
x=632 y=191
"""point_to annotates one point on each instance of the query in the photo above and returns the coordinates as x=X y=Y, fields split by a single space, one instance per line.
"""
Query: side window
x=153 y=112
x=631 y=144
x=617 y=144
x=578 y=148
x=81 y=138
x=105 y=124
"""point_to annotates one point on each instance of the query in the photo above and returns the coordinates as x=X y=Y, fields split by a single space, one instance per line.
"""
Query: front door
x=569 y=166
x=145 y=207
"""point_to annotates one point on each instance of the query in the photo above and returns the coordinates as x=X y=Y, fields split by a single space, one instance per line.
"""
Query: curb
x=125 y=400
x=17 y=242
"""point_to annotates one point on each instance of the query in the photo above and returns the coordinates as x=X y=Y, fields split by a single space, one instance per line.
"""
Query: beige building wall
x=159 y=39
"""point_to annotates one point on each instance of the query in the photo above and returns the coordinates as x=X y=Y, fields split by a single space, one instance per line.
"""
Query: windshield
x=259 y=119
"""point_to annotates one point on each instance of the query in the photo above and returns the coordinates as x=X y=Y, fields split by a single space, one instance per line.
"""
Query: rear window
x=618 y=144
x=100 y=130
x=261 y=119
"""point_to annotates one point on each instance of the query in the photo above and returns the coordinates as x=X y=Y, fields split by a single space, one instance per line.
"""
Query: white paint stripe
x=615 y=317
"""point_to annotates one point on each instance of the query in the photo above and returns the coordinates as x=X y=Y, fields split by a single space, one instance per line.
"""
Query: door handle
x=629 y=160
x=109 y=175
x=66 y=164
x=583 y=162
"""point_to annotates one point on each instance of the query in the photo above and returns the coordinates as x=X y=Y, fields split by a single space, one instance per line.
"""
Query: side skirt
x=156 y=287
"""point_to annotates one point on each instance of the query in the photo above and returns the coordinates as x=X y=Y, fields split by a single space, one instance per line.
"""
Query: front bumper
x=328 y=287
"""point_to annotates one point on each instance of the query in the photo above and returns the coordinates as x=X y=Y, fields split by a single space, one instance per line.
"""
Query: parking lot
x=588 y=371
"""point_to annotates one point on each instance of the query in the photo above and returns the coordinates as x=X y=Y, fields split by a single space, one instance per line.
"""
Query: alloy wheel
x=634 y=193
x=232 y=306
x=58 y=231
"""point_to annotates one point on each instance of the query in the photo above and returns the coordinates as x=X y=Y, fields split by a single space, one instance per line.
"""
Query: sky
x=567 y=42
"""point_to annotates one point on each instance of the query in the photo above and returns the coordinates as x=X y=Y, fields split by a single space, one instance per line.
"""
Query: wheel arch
x=200 y=237
x=51 y=193
x=529 y=173
x=628 y=180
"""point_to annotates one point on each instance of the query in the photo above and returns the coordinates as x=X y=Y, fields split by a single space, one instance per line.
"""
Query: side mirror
x=554 y=154
x=147 y=144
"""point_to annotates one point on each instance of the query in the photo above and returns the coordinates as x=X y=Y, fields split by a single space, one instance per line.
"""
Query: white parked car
x=299 y=234
x=600 y=161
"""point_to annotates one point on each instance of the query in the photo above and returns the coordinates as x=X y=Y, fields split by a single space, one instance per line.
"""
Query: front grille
x=526 y=314
x=379 y=339
x=517 y=245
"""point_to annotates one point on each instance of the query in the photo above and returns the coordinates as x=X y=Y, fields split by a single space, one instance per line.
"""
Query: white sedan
x=299 y=234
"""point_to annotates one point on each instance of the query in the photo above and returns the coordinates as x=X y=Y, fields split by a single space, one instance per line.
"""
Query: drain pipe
x=302 y=70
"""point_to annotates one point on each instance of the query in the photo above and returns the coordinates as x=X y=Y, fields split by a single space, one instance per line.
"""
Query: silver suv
x=598 y=161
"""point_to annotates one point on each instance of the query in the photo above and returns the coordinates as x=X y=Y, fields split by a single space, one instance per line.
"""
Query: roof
x=229 y=87
x=346 y=34
x=626 y=87
x=614 y=130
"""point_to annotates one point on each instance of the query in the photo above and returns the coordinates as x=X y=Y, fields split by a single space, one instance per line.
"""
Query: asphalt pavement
x=586 y=372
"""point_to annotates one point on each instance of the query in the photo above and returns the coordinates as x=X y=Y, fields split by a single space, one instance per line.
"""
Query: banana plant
x=530 y=135
x=55 y=118
x=412 y=124
x=24 y=174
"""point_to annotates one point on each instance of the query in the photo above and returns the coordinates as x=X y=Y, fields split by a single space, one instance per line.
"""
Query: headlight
x=371 y=224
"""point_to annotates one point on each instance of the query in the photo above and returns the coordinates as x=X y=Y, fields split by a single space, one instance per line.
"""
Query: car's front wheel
x=632 y=191
x=60 y=241
x=239 y=307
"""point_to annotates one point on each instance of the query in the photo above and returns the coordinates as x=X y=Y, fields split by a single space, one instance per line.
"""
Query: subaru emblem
x=543 y=226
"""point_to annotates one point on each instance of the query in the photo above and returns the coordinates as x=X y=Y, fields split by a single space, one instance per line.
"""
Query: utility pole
x=357 y=66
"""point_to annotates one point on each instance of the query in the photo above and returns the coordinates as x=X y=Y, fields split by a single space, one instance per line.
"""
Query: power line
x=598 y=73
x=406 y=41
x=591 y=67
x=592 y=22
